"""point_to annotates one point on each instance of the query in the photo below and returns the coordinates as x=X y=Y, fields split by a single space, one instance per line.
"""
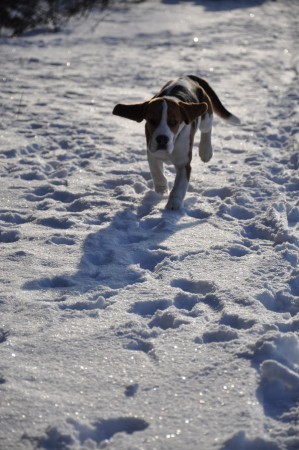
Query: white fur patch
x=164 y=130
x=206 y=123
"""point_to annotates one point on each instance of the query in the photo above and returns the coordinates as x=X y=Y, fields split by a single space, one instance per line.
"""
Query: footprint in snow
x=149 y=307
x=74 y=433
x=222 y=193
x=47 y=196
x=167 y=319
x=186 y=301
x=149 y=259
x=237 y=322
x=231 y=212
x=282 y=301
x=131 y=390
x=220 y=334
x=276 y=357
x=198 y=213
x=9 y=236
x=3 y=335
x=13 y=217
x=62 y=223
x=276 y=224
x=86 y=305
x=58 y=239
x=238 y=251
x=202 y=287
x=104 y=429
x=141 y=345
x=161 y=312
x=278 y=392
x=240 y=441
x=58 y=282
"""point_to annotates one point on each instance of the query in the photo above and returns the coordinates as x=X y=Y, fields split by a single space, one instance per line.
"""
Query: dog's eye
x=173 y=123
x=153 y=122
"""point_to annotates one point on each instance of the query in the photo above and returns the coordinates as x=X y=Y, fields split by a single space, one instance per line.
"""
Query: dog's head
x=164 y=117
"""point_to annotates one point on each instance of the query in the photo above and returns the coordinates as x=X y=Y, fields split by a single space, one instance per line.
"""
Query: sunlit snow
x=125 y=326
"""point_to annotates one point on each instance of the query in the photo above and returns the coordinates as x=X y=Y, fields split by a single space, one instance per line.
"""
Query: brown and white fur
x=172 y=118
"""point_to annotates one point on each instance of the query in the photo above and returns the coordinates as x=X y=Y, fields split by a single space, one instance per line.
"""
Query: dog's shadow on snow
x=124 y=252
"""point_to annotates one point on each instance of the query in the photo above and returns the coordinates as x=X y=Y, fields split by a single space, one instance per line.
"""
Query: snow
x=123 y=325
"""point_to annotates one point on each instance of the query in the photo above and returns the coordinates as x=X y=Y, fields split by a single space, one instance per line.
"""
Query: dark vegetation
x=20 y=16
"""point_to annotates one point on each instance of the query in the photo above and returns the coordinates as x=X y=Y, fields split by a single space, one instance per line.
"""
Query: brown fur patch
x=153 y=115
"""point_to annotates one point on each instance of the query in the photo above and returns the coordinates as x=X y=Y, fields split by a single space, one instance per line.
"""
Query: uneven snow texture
x=125 y=326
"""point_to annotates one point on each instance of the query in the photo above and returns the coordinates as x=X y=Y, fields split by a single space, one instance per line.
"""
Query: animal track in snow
x=198 y=213
x=13 y=217
x=62 y=223
x=240 y=442
x=238 y=251
x=48 y=196
x=58 y=282
x=58 y=239
x=220 y=334
x=276 y=356
x=131 y=390
x=235 y=212
x=78 y=434
x=194 y=287
x=105 y=429
x=142 y=345
x=186 y=301
x=3 y=335
x=276 y=224
x=9 y=236
x=162 y=313
x=237 y=322
x=150 y=259
x=279 y=390
x=222 y=193
x=167 y=319
x=289 y=326
x=294 y=283
x=202 y=292
x=85 y=305
x=280 y=302
x=148 y=308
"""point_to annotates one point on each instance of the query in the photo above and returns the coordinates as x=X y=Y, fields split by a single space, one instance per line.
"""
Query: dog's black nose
x=162 y=140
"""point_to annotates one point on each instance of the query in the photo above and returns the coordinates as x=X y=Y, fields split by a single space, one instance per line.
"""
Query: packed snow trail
x=125 y=326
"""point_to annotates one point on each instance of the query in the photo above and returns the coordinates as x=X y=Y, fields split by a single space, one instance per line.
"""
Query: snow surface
x=125 y=326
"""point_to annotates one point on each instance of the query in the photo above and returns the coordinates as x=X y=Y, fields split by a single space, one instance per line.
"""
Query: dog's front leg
x=205 y=144
x=157 y=172
x=180 y=187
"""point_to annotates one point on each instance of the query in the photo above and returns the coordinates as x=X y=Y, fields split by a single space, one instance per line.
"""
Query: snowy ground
x=124 y=326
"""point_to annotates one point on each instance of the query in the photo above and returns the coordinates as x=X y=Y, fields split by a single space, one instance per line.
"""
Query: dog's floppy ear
x=192 y=110
x=133 y=112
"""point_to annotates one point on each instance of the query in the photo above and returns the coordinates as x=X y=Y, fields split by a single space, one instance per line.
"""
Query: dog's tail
x=218 y=107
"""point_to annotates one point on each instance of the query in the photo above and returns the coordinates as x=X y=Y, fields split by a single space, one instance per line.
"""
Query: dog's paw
x=174 y=204
x=205 y=153
x=161 y=189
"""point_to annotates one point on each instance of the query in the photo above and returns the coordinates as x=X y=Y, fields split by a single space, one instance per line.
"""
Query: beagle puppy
x=172 y=118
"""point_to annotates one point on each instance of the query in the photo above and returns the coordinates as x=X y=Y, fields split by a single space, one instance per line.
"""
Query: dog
x=172 y=118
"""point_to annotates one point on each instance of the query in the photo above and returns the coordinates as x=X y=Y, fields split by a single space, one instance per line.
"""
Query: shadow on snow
x=123 y=253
